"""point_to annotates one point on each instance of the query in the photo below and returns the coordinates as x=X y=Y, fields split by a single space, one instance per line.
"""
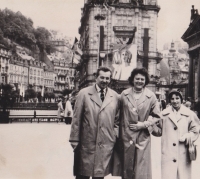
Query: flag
x=69 y=42
x=20 y=90
x=76 y=59
x=23 y=91
x=74 y=45
x=77 y=52
x=42 y=93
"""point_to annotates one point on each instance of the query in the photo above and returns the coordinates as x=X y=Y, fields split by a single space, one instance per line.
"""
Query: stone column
x=136 y=25
x=191 y=81
x=146 y=48
x=198 y=81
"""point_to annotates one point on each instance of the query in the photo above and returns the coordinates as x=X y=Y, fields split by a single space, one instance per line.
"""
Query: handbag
x=192 y=151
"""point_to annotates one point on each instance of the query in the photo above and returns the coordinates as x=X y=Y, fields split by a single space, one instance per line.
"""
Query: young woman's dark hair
x=141 y=71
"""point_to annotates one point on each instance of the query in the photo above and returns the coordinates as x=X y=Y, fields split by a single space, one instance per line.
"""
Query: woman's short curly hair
x=141 y=71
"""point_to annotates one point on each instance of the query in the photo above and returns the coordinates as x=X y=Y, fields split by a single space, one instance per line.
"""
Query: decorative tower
x=173 y=65
x=110 y=29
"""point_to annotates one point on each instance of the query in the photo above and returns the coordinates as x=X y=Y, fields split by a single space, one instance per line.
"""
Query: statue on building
x=194 y=13
x=124 y=60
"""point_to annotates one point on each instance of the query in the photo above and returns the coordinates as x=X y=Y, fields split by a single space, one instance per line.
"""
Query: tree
x=42 y=36
x=7 y=95
x=30 y=93
x=66 y=92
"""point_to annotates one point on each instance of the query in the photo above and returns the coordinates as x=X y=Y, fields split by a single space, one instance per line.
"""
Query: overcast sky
x=64 y=15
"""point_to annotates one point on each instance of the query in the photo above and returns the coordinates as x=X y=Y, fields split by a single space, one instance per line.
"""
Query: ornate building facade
x=175 y=68
x=63 y=73
x=4 y=64
x=115 y=26
x=192 y=37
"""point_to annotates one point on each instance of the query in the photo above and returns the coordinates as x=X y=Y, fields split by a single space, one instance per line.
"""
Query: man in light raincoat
x=95 y=128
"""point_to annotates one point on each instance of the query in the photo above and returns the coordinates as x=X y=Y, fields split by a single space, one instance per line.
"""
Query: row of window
x=18 y=79
x=4 y=60
x=34 y=72
x=48 y=82
x=68 y=72
x=2 y=51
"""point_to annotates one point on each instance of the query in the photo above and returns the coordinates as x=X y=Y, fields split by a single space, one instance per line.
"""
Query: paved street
x=42 y=151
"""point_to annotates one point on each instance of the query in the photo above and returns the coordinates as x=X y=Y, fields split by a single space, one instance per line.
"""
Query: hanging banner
x=124 y=61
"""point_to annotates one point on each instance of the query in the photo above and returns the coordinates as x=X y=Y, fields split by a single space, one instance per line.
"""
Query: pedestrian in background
x=163 y=105
x=189 y=105
x=178 y=130
x=94 y=128
x=68 y=111
x=138 y=103
x=60 y=110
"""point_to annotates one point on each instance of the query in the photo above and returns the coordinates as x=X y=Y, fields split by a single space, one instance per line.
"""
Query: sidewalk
x=42 y=151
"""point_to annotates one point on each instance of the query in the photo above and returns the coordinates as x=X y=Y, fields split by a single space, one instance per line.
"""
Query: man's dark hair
x=141 y=71
x=104 y=69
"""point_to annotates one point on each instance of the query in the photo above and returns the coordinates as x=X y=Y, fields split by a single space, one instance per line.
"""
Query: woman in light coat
x=60 y=110
x=68 y=111
x=137 y=104
x=178 y=129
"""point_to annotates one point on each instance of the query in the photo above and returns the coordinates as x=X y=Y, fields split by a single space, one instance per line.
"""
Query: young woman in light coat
x=177 y=128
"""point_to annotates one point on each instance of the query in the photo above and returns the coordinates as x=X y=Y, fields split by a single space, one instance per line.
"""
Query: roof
x=24 y=56
x=192 y=29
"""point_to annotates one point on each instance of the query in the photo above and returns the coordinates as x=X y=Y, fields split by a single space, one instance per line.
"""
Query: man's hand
x=137 y=127
x=74 y=145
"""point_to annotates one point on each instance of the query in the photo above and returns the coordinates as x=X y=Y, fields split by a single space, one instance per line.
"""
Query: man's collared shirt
x=99 y=91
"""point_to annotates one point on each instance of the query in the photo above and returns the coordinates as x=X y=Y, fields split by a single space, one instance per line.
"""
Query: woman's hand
x=137 y=127
x=185 y=138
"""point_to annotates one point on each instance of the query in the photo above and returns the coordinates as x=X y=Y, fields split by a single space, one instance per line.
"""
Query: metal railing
x=33 y=106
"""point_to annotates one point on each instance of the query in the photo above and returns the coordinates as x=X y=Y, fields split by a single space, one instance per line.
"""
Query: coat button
x=131 y=142
x=174 y=160
x=174 y=144
x=175 y=128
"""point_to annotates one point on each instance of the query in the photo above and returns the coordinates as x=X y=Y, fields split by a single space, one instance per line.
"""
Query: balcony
x=125 y=31
x=151 y=54
x=60 y=82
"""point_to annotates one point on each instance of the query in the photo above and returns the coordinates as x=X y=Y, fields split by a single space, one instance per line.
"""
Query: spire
x=172 y=49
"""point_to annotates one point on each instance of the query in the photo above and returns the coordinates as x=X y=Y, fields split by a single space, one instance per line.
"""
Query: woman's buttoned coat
x=175 y=162
x=68 y=108
x=60 y=109
x=95 y=128
x=136 y=145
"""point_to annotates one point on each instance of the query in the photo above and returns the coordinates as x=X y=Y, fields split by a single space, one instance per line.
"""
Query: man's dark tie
x=102 y=95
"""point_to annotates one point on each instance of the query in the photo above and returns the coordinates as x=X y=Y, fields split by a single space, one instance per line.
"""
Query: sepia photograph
x=99 y=89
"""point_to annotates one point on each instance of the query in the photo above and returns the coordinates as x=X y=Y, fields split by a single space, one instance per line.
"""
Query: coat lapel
x=173 y=118
x=183 y=112
x=144 y=96
x=168 y=111
x=94 y=96
x=129 y=95
x=107 y=100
